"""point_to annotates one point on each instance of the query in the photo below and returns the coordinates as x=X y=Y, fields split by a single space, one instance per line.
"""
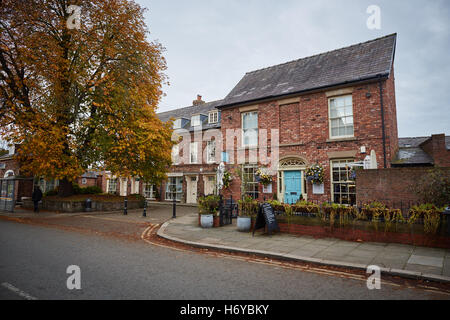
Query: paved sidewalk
x=395 y=259
x=156 y=213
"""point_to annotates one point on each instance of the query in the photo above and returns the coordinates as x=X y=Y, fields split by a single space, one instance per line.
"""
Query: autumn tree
x=81 y=92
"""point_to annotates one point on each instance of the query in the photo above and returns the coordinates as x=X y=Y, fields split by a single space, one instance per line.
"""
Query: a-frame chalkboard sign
x=266 y=217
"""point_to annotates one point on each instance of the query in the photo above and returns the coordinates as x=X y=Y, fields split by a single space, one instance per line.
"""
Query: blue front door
x=292 y=186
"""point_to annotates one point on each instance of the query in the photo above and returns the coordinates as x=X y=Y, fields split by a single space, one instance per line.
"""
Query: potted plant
x=208 y=210
x=248 y=209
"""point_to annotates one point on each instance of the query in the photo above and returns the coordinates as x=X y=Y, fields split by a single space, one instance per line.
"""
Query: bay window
x=174 y=188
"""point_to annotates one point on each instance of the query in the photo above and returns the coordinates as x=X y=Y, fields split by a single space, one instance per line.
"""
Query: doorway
x=292 y=186
x=191 y=189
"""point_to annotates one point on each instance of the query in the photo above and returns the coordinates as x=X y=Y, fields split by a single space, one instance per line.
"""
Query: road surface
x=34 y=260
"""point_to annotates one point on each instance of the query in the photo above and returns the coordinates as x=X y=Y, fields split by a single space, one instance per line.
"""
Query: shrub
x=49 y=193
x=88 y=190
x=434 y=187
x=248 y=207
x=209 y=204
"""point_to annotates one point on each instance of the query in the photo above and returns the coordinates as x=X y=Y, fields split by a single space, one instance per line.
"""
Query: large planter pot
x=244 y=224
x=207 y=220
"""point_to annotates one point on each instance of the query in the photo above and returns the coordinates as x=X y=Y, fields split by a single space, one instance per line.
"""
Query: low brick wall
x=364 y=231
x=393 y=186
x=79 y=206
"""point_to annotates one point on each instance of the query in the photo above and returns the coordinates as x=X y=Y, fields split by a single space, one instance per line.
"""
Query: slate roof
x=188 y=112
x=410 y=153
x=6 y=156
x=358 y=62
x=90 y=174
x=411 y=142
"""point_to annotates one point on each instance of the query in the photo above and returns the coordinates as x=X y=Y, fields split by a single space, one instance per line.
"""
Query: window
x=177 y=124
x=174 y=188
x=83 y=181
x=195 y=120
x=249 y=183
x=341 y=117
x=343 y=189
x=193 y=157
x=47 y=185
x=176 y=154
x=150 y=191
x=112 y=186
x=211 y=151
x=213 y=117
x=250 y=129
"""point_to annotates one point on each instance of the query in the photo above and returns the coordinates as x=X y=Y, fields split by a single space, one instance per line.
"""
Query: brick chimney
x=199 y=101
x=437 y=149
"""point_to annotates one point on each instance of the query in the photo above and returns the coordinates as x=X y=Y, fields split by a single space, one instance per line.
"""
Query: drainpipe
x=382 y=121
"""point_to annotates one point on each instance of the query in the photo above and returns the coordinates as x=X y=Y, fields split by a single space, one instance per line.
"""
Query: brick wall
x=304 y=130
x=392 y=186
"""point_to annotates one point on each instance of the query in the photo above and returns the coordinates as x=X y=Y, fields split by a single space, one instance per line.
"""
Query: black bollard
x=174 y=209
x=125 y=209
x=145 y=209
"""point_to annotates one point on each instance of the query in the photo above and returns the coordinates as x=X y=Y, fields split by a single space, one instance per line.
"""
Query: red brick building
x=332 y=109
x=195 y=159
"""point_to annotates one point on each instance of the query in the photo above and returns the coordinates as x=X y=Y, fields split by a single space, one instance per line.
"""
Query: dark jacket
x=37 y=195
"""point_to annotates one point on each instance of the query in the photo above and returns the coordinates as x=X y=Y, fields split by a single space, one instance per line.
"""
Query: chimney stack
x=199 y=101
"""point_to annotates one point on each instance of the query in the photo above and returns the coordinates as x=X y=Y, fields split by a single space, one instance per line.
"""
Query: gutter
x=383 y=129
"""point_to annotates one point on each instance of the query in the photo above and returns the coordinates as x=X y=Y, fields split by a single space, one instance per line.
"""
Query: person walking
x=36 y=197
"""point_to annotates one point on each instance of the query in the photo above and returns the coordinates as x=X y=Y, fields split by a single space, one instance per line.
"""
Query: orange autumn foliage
x=82 y=98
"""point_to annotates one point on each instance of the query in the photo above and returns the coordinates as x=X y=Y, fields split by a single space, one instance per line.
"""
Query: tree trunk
x=65 y=188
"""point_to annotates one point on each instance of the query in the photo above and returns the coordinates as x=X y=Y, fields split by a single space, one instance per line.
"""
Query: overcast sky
x=211 y=44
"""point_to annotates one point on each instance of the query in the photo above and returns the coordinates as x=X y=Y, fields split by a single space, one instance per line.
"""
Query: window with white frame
x=177 y=124
x=47 y=185
x=176 y=154
x=249 y=183
x=250 y=129
x=195 y=120
x=341 y=117
x=213 y=117
x=83 y=181
x=343 y=188
x=211 y=151
x=174 y=188
x=193 y=153
x=112 y=186
x=150 y=191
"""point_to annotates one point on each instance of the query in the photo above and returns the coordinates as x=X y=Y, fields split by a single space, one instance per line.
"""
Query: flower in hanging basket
x=262 y=175
x=314 y=174
x=352 y=174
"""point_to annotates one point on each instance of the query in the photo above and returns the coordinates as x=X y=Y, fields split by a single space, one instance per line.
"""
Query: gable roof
x=188 y=112
x=355 y=63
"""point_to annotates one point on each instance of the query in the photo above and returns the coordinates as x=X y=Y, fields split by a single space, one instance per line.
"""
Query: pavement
x=115 y=223
x=394 y=259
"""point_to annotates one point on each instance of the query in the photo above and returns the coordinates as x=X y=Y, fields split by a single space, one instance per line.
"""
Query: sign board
x=266 y=217
x=318 y=188
x=267 y=189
